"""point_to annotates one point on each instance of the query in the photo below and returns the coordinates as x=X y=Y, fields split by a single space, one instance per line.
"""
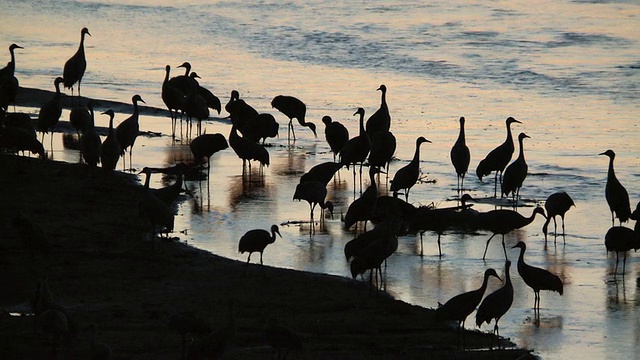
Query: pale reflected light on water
x=567 y=70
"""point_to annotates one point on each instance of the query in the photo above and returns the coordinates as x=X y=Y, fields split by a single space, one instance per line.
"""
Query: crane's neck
x=461 y=136
x=485 y=282
x=509 y=139
x=12 y=63
x=136 y=110
x=81 y=46
x=383 y=100
x=612 y=173
x=521 y=154
x=166 y=76
x=57 y=85
x=416 y=155
x=110 y=125
x=362 y=131
x=187 y=69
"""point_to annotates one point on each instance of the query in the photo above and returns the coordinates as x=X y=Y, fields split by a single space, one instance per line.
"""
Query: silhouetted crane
x=90 y=141
x=313 y=192
x=293 y=108
x=79 y=118
x=336 y=135
x=256 y=240
x=20 y=138
x=380 y=120
x=389 y=207
x=502 y=222
x=128 y=130
x=9 y=70
x=408 y=175
x=261 y=127
x=353 y=247
x=437 y=220
x=110 y=150
x=459 y=307
x=50 y=113
x=247 y=150
x=557 y=204
x=536 y=278
x=158 y=214
x=76 y=65
x=515 y=173
x=460 y=157
x=9 y=84
x=496 y=304
x=361 y=209
x=498 y=158
x=206 y=145
x=374 y=254
x=239 y=111
x=355 y=151
x=185 y=83
x=383 y=147
x=173 y=98
x=322 y=172
x=170 y=193
x=195 y=106
x=616 y=194
x=281 y=338
x=622 y=239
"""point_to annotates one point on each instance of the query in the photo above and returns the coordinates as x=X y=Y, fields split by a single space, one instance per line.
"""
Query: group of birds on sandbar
x=374 y=146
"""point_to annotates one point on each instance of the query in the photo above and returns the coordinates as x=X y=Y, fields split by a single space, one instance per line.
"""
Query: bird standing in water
x=460 y=157
x=496 y=304
x=76 y=65
x=515 y=173
x=127 y=131
x=616 y=195
x=498 y=158
x=408 y=175
x=459 y=307
x=293 y=108
x=557 y=204
x=537 y=278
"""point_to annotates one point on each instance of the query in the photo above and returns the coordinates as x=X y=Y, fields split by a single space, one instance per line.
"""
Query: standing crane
x=616 y=195
x=537 y=278
x=76 y=65
x=515 y=173
x=293 y=108
x=459 y=307
x=408 y=175
x=496 y=304
x=460 y=157
x=557 y=204
x=498 y=158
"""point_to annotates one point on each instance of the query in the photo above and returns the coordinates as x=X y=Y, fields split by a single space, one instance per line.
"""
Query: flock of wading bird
x=374 y=146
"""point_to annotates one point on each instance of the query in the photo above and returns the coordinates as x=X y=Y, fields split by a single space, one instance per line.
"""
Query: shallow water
x=568 y=70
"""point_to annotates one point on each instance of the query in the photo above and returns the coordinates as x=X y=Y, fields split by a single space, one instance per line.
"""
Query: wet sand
x=104 y=270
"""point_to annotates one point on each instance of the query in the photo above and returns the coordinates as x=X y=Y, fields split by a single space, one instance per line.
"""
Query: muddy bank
x=104 y=270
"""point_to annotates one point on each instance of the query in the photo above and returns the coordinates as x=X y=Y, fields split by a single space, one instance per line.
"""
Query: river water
x=568 y=70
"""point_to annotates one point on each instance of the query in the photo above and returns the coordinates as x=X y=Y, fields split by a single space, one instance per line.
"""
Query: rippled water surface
x=569 y=70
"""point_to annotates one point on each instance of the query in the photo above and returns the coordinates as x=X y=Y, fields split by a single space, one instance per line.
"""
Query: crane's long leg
x=504 y=247
x=486 y=247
